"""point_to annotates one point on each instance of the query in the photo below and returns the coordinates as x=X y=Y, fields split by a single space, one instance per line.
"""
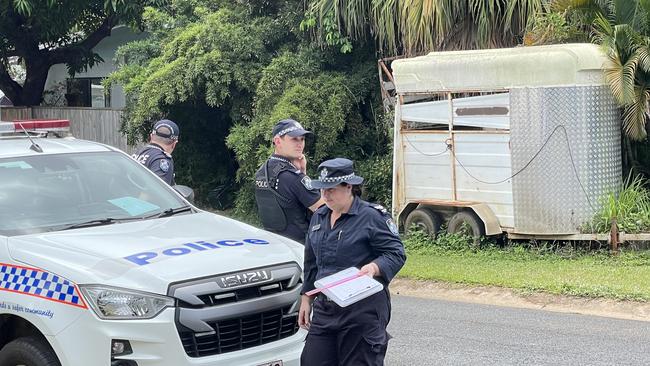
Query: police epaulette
x=379 y=208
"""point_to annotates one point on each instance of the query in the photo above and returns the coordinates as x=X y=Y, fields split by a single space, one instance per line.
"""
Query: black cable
x=423 y=153
x=566 y=138
x=575 y=170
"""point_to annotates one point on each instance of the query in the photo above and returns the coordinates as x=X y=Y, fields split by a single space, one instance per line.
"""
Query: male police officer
x=157 y=155
x=282 y=190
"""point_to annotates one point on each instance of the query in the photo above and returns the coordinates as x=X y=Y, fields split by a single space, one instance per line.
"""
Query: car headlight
x=113 y=303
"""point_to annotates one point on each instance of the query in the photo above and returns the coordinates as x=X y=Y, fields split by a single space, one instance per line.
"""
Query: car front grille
x=212 y=319
x=246 y=293
x=241 y=333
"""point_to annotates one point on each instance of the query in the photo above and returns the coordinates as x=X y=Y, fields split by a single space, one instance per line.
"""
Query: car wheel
x=28 y=351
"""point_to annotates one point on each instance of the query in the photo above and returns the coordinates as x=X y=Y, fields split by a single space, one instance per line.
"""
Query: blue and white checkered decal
x=35 y=282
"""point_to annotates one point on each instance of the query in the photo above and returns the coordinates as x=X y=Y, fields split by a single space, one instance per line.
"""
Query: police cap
x=289 y=127
x=336 y=171
x=167 y=129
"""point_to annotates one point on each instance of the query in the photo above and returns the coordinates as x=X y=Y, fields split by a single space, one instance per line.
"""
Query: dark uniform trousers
x=353 y=335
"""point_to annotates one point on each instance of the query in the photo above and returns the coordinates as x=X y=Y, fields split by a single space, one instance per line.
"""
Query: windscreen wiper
x=173 y=211
x=97 y=222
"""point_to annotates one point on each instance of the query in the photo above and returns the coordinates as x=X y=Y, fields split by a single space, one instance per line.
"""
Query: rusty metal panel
x=398 y=191
x=550 y=195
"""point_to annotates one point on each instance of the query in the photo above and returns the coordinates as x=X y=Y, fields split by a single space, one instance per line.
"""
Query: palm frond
x=643 y=51
x=519 y=12
x=590 y=8
x=635 y=115
x=385 y=24
x=644 y=7
x=620 y=77
x=413 y=26
x=355 y=23
x=625 y=12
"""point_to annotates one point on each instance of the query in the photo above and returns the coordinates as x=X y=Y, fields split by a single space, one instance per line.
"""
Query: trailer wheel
x=425 y=220
x=28 y=351
x=466 y=223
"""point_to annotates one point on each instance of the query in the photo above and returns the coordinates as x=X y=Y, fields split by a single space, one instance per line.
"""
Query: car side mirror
x=185 y=191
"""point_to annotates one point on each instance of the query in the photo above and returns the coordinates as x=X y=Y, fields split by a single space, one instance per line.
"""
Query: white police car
x=102 y=263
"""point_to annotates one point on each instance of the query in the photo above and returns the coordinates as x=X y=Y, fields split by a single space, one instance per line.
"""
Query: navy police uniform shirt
x=154 y=157
x=295 y=186
x=364 y=234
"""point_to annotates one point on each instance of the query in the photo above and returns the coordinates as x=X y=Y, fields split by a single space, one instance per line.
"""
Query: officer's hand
x=371 y=269
x=305 y=312
x=300 y=163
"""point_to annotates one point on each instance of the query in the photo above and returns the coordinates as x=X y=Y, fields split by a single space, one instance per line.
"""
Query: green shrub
x=630 y=208
x=419 y=241
x=377 y=173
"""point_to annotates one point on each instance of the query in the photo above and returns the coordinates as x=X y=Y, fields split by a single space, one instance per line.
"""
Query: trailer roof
x=504 y=68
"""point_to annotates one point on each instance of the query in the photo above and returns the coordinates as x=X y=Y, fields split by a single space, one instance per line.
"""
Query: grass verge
x=530 y=269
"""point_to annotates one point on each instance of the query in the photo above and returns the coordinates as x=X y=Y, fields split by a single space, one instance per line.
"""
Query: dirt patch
x=631 y=310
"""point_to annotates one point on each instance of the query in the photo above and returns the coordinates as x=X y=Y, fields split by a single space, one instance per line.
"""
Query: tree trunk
x=9 y=87
x=628 y=157
x=31 y=92
x=37 y=70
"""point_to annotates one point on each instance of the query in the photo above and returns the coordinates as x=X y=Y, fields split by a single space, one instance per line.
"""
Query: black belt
x=322 y=297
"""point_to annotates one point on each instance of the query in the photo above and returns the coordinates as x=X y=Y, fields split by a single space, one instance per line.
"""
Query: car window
x=44 y=192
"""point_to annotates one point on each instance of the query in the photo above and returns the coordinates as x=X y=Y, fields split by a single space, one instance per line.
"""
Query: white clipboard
x=347 y=287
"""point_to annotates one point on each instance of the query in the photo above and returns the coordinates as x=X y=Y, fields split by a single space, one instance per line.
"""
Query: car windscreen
x=53 y=192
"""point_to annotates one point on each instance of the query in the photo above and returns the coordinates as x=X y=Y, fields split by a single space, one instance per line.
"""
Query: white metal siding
x=426 y=176
x=438 y=112
x=486 y=156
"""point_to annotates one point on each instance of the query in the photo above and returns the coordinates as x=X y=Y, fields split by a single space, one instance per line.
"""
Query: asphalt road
x=432 y=332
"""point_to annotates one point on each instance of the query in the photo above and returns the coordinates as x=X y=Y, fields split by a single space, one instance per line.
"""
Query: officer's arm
x=309 y=276
x=309 y=268
x=301 y=190
x=162 y=168
x=386 y=244
x=317 y=205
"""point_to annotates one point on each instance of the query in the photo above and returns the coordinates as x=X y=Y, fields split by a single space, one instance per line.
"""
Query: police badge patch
x=164 y=165
x=306 y=181
x=392 y=227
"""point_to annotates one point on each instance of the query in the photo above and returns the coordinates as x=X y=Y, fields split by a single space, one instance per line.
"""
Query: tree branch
x=14 y=31
x=62 y=55
x=9 y=86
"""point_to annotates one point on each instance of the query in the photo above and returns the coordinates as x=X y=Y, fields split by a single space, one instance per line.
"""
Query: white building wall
x=120 y=35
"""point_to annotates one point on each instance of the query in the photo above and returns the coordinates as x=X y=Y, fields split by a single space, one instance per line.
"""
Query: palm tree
x=414 y=26
x=621 y=27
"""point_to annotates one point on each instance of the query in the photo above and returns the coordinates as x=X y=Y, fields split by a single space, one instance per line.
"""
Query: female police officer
x=347 y=232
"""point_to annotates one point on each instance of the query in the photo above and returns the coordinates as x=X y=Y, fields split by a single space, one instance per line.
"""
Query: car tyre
x=28 y=351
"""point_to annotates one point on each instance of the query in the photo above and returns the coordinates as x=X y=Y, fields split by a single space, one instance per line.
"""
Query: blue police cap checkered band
x=288 y=126
x=342 y=178
x=336 y=171
x=287 y=130
x=39 y=283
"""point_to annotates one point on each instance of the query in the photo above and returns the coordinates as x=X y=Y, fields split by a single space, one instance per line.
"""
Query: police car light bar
x=49 y=125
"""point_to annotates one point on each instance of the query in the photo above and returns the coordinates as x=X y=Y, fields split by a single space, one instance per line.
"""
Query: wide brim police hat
x=334 y=172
